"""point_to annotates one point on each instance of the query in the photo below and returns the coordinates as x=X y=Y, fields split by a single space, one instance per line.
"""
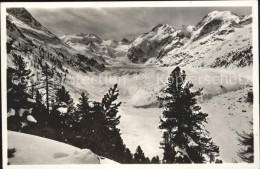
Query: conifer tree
x=182 y=122
x=110 y=109
x=155 y=160
x=139 y=157
x=9 y=45
x=84 y=123
x=128 y=156
x=19 y=64
x=108 y=141
x=83 y=106
x=16 y=78
x=39 y=111
x=46 y=81
x=17 y=93
x=247 y=141
x=168 y=154
x=62 y=121
x=104 y=133
x=62 y=95
x=147 y=160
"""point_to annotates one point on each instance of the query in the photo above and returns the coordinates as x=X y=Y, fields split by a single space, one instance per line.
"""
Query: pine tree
x=10 y=152
x=17 y=91
x=9 y=45
x=104 y=135
x=116 y=147
x=247 y=141
x=62 y=121
x=83 y=106
x=155 y=160
x=147 y=160
x=110 y=109
x=108 y=141
x=128 y=157
x=182 y=122
x=46 y=81
x=139 y=157
x=168 y=154
x=19 y=64
x=39 y=111
x=62 y=95
x=84 y=123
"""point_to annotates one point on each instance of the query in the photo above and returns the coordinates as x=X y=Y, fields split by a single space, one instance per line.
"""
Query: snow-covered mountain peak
x=125 y=41
x=222 y=13
x=189 y=28
x=89 y=35
x=168 y=46
x=221 y=16
x=81 y=34
x=163 y=28
x=81 y=38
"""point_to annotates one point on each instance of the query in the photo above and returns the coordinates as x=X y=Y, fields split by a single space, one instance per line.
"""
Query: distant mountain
x=105 y=51
x=125 y=41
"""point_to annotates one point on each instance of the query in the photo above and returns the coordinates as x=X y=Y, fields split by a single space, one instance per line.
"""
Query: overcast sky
x=117 y=23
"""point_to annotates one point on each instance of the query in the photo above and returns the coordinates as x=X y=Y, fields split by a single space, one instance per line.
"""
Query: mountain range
x=216 y=41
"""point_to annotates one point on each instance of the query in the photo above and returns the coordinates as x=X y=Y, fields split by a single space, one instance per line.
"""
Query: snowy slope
x=229 y=113
x=37 y=150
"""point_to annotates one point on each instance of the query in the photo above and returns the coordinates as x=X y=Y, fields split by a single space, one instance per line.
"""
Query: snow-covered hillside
x=37 y=150
x=229 y=113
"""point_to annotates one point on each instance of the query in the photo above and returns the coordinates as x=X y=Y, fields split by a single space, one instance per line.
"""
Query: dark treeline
x=241 y=58
x=46 y=109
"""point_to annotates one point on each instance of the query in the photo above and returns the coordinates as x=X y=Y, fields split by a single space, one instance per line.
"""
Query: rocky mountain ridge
x=26 y=36
x=216 y=35
x=219 y=36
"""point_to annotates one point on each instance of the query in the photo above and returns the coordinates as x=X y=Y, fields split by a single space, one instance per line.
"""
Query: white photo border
x=252 y=4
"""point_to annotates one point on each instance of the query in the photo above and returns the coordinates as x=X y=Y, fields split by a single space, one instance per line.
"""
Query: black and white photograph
x=130 y=83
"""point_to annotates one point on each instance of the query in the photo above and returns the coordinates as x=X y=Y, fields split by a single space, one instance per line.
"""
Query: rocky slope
x=26 y=35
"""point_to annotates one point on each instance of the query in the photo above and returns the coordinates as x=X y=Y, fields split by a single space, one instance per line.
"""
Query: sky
x=118 y=23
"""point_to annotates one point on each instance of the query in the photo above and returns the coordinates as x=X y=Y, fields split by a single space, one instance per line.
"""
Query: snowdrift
x=37 y=150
